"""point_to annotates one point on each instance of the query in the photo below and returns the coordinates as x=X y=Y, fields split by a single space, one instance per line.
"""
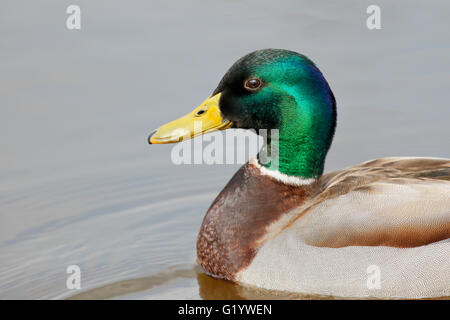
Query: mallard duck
x=286 y=225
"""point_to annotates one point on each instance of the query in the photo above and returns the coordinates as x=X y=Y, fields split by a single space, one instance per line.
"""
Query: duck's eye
x=252 y=84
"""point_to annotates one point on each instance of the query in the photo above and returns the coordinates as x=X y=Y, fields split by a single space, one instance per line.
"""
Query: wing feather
x=398 y=202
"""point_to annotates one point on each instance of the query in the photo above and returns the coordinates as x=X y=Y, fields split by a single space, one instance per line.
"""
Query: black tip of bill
x=150 y=136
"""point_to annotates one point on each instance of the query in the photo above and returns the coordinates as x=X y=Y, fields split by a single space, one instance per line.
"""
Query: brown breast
x=239 y=217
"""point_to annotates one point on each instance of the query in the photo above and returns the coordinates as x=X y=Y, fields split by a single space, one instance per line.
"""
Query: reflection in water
x=217 y=289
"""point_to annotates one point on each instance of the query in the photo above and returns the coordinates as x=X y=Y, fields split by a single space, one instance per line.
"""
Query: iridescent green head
x=284 y=90
x=269 y=89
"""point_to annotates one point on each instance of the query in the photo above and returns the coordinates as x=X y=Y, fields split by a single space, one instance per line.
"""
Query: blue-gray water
x=80 y=185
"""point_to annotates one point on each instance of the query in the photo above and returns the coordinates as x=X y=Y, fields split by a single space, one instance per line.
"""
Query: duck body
x=282 y=224
x=321 y=237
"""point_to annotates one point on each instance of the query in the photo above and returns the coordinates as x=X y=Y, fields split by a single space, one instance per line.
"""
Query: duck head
x=268 y=89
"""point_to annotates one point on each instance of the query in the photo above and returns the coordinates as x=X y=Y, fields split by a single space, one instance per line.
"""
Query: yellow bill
x=203 y=119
